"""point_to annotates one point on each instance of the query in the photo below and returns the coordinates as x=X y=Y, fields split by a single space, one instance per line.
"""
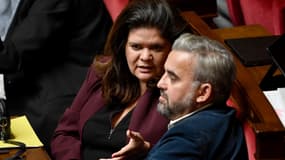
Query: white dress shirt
x=8 y=9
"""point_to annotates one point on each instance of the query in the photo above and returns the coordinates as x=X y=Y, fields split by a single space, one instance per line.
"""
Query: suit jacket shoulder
x=213 y=133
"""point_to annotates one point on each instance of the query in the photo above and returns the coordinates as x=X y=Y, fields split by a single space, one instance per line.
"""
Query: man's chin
x=162 y=109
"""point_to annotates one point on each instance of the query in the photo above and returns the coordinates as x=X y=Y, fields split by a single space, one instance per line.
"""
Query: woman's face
x=146 y=52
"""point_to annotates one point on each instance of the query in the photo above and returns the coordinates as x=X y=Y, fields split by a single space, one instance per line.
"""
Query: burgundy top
x=66 y=143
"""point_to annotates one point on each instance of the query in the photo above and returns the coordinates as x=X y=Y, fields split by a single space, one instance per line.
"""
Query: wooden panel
x=258 y=72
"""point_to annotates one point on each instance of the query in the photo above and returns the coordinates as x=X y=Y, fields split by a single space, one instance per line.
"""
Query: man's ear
x=204 y=92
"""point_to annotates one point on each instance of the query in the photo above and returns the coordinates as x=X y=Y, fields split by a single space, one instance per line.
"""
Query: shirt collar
x=173 y=122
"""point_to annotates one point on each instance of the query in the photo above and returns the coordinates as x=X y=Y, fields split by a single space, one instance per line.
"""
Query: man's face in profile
x=178 y=92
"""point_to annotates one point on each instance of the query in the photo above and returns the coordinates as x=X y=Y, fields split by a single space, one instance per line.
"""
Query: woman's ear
x=204 y=93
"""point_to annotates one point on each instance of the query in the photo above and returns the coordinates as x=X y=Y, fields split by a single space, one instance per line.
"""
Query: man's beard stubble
x=177 y=109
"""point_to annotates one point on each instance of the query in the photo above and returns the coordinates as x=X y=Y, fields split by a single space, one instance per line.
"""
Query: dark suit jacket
x=145 y=119
x=213 y=134
x=45 y=56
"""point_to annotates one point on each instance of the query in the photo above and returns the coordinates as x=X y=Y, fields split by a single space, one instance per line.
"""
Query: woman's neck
x=143 y=87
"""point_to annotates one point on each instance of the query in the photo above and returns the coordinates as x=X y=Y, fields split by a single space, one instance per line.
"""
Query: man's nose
x=161 y=83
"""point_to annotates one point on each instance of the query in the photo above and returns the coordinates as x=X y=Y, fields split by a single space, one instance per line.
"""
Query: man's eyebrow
x=172 y=74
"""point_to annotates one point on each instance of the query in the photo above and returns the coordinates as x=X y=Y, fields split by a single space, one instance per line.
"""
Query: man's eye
x=172 y=78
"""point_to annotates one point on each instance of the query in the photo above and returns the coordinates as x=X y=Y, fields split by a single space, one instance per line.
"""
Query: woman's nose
x=146 y=55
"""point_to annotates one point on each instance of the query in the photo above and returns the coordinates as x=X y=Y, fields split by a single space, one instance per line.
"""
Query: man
x=197 y=82
x=46 y=48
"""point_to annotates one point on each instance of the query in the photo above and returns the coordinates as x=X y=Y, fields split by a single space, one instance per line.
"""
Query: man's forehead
x=178 y=61
x=176 y=57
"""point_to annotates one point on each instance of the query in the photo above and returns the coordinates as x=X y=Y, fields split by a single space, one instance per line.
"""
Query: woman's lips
x=145 y=69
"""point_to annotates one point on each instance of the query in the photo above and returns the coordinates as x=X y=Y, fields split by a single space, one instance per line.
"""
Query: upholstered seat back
x=268 y=13
x=248 y=132
x=115 y=7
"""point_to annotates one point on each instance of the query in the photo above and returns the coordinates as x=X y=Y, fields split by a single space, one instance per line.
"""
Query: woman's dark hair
x=119 y=85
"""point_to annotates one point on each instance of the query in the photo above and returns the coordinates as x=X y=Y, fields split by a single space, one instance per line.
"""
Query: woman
x=119 y=93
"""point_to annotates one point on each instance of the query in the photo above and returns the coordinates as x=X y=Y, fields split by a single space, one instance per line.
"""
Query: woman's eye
x=136 y=47
x=157 y=48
